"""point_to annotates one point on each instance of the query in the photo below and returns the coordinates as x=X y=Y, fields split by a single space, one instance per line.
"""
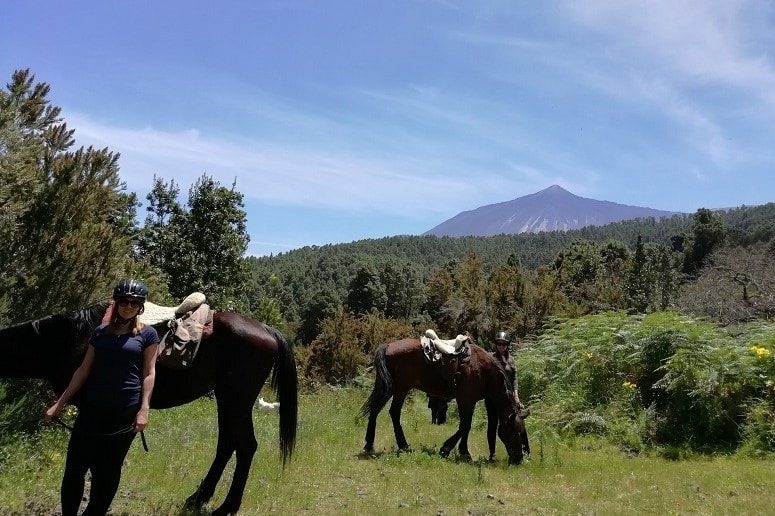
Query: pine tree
x=65 y=219
x=639 y=284
x=365 y=291
x=707 y=234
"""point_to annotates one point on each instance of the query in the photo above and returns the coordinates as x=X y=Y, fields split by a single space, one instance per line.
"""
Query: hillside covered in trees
x=593 y=268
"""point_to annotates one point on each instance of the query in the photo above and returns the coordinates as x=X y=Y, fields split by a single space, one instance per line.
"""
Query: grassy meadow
x=328 y=476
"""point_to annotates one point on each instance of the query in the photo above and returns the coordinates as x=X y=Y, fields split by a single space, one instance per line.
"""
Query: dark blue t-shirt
x=115 y=380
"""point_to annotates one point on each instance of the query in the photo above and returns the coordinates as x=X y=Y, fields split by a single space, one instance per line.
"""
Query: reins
x=123 y=431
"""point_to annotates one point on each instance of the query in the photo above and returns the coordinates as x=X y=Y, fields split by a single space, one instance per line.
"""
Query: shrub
x=22 y=403
x=759 y=433
x=346 y=344
x=663 y=379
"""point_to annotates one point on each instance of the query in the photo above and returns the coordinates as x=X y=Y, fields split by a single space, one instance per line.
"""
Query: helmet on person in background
x=130 y=289
x=502 y=336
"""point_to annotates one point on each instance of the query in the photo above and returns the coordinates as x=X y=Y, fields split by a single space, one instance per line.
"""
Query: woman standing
x=502 y=355
x=117 y=375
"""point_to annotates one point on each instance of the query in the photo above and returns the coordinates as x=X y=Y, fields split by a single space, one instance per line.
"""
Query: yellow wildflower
x=760 y=352
x=628 y=385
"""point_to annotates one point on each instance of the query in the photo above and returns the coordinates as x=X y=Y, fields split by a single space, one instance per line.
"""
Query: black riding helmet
x=130 y=289
x=502 y=336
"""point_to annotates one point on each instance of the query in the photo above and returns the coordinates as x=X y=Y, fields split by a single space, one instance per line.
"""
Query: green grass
x=328 y=475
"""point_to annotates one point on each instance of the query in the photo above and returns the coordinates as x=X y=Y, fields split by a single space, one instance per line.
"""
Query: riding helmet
x=130 y=289
x=502 y=336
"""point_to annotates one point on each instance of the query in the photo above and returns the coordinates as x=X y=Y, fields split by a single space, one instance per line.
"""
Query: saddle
x=434 y=347
x=185 y=332
x=155 y=314
x=181 y=328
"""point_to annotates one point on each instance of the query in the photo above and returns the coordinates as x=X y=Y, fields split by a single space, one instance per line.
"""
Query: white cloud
x=703 y=42
x=663 y=55
x=284 y=175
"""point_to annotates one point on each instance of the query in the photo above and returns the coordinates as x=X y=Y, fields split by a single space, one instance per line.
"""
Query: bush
x=22 y=403
x=759 y=433
x=346 y=344
x=663 y=379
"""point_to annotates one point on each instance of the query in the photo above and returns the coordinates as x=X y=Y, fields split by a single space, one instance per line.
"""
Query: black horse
x=438 y=406
x=233 y=362
x=401 y=367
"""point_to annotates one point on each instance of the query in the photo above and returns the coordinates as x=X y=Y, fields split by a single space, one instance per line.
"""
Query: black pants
x=99 y=443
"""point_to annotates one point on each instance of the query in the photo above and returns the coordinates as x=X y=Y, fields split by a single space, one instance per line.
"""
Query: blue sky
x=350 y=120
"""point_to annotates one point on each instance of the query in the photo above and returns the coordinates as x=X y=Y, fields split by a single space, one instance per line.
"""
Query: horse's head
x=511 y=428
x=36 y=348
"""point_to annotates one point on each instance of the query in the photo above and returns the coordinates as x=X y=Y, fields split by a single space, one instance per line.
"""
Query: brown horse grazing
x=401 y=367
x=234 y=362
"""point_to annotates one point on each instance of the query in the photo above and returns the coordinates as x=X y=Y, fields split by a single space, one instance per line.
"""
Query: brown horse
x=234 y=362
x=401 y=367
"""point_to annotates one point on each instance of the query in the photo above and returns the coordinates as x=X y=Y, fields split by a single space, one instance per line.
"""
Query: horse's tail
x=285 y=383
x=383 y=384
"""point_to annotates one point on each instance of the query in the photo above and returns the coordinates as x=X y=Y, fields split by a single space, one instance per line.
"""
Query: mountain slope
x=548 y=210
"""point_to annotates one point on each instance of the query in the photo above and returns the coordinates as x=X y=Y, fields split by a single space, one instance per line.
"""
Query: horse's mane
x=86 y=319
x=83 y=320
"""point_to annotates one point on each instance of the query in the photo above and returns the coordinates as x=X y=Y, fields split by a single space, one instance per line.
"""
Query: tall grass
x=328 y=475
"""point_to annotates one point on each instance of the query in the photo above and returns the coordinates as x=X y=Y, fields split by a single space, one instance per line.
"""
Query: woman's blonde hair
x=114 y=322
x=113 y=326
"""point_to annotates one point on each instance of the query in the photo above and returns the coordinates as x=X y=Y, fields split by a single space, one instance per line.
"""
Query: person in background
x=502 y=355
x=117 y=376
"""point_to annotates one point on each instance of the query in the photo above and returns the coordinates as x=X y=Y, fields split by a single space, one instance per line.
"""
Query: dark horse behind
x=400 y=367
x=234 y=363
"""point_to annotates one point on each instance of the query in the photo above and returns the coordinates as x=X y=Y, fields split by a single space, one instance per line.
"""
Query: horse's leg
x=438 y=406
x=442 y=410
x=466 y=416
x=450 y=443
x=395 y=416
x=223 y=452
x=371 y=428
x=246 y=445
x=492 y=426
x=432 y=404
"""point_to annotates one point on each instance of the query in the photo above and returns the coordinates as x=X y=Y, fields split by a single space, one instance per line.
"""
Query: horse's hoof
x=194 y=503
x=221 y=511
x=465 y=457
x=491 y=458
x=444 y=451
x=405 y=449
x=516 y=461
x=369 y=453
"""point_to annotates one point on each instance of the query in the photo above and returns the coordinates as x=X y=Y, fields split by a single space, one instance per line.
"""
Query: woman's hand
x=53 y=412
x=141 y=420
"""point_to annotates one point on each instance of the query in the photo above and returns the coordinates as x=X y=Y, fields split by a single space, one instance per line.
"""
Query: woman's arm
x=149 y=378
x=76 y=382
